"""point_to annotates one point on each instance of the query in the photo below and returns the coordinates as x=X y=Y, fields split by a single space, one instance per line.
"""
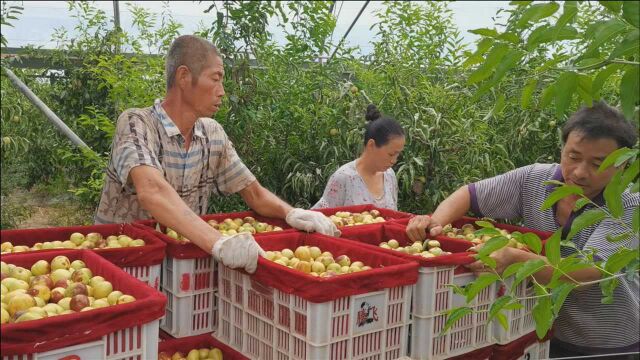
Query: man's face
x=580 y=159
x=205 y=97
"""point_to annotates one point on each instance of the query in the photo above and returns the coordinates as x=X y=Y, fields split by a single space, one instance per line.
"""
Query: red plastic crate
x=388 y=214
x=432 y=297
x=184 y=345
x=143 y=262
x=125 y=331
x=353 y=316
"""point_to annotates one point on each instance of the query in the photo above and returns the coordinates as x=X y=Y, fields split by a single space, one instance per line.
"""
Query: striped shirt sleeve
x=232 y=175
x=500 y=197
x=133 y=146
x=609 y=228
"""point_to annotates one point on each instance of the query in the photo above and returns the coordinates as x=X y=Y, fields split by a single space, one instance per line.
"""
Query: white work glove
x=238 y=251
x=309 y=221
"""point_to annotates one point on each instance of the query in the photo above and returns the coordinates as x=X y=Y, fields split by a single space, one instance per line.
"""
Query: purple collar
x=557 y=175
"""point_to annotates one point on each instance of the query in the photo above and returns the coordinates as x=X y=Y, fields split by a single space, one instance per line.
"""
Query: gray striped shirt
x=584 y=323
x=149 y=137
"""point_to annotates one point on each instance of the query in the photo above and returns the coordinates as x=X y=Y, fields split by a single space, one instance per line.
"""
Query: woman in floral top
x=369 y=179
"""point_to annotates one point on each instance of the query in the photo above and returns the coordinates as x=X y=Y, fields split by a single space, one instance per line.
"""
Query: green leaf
x=532 y=241
x=493 y=59
x=613 y=195
x=632 y=270
x=502 y=320
x=613 y=6
x=628 y=46
x=509 y=37
x=569 y=12
x=485 y=32
x=629 y=88
x=488 y=261
x=559 y=295
x=631 y=12
x=537 y=12
x=479 y=284
x=492 y=245
x=529 y=268
x=565 y=88
x=586 y=219
x=527 y=91
x=602 y=32
x=547 y=95
x=485 y=224
x=499 y=106
x=611 y=159
x=457 y=289
x=560 y=193
x=580 y=203
x=498 y=305
x=608 y=286
x=623 y=158
x=620 y=259
x=552 y=247
x=511 y=269
x=568 y=243
x=510 y=60
x=603 y=75
x=487 y=231
x=543 y=316
x=635 y=222
x=585 y=89
x=618 y=238
x=454 y=315
x=481 y=49
x=546 y=34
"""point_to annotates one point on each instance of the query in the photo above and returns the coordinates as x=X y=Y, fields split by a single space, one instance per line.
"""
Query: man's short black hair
x=601 y=121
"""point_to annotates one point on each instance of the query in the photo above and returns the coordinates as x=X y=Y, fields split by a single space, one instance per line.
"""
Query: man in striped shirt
x=167 y=160
x=584 y=326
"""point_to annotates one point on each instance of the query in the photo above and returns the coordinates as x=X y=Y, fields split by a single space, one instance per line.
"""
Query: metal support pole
x=116 y=22
x=348 y=30
x=62 y=127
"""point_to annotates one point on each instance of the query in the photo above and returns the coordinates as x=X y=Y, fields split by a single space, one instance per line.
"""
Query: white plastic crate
x=520 y=321
x=266 y=323
x=189 y=276
x=137 y=342
x=431 y=298
x=150 y=275
x=190 y=315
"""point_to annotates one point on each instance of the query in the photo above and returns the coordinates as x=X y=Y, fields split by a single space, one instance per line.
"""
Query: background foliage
x=294 y=120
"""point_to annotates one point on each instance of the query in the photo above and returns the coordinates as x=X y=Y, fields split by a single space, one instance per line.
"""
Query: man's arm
x=264 y=202
x=162 y=201
x=452 y=208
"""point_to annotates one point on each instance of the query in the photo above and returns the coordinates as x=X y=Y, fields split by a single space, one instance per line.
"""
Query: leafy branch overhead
x=580 y=56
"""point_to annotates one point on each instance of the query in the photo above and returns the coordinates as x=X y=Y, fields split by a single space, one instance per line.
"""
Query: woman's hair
x=380 y=128
x=601 y=121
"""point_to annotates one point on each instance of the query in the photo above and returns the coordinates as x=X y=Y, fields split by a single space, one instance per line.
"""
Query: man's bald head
x=191 y=51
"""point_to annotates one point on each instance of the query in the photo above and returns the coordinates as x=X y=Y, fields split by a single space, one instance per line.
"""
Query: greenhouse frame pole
x=62 y=127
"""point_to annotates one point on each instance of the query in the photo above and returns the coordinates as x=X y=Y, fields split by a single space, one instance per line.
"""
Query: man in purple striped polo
x=584 y=326
x=169 y=158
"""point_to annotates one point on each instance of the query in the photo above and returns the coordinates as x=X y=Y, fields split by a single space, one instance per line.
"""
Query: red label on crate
x=368 y=313
x=70 y=357
x=185 y=282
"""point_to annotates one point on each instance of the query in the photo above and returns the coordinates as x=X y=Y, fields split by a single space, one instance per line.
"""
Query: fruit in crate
x=75 y=241
x=426 y=249
x=467 y=232
x=345 y=218
x=231 y=227
x=311 y=260
x=71 y=287
x=195 y=354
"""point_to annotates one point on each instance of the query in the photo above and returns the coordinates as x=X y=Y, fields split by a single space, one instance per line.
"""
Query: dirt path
x=37 y=209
